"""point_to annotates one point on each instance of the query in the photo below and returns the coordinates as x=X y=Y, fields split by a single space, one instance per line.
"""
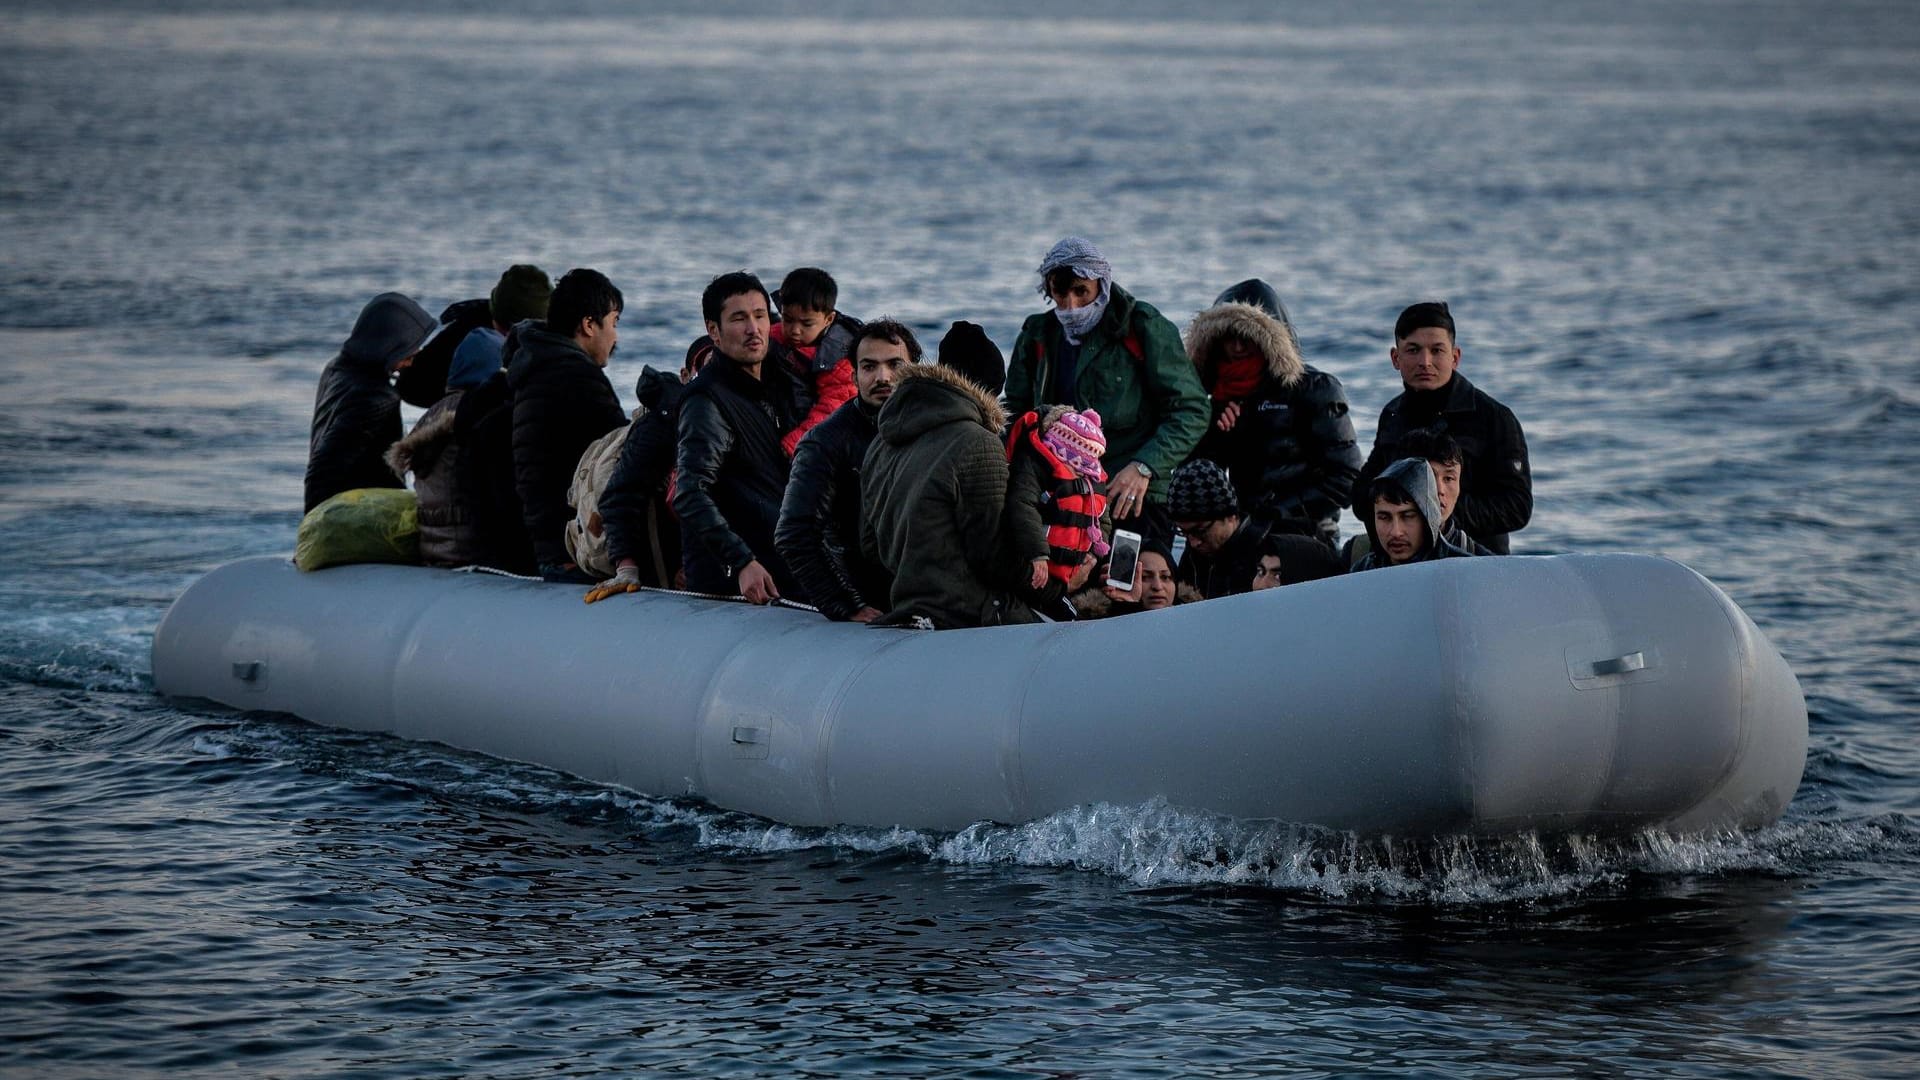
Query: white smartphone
x=1123 y=562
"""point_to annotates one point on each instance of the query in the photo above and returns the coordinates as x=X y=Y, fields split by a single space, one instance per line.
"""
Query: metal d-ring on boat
x=1574 y=692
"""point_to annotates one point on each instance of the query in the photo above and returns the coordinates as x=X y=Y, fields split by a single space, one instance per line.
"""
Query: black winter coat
x=1496 y=481
x=485 y=480
x=356 y=416
x=732 y=473
x=562 y=402
x=819 y=530
x=633 y=508
x=1292 y=453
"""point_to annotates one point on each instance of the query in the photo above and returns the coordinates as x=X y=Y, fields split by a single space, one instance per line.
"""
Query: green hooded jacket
x=1152 y=407
x=932 y=490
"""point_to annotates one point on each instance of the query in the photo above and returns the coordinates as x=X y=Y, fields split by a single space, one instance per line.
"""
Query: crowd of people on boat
x=1110 y=464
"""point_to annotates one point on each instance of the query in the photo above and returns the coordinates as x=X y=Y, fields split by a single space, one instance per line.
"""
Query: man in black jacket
x=1496 y=484
x=732 y=472
x=819 y=530
x=356 y=413
x=562 y=402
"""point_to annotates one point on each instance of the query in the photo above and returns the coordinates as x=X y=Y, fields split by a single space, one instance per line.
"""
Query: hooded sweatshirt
x=1415 y=477
x=356 y=413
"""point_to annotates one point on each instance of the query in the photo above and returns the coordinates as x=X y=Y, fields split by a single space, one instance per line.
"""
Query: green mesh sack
x=377 y=525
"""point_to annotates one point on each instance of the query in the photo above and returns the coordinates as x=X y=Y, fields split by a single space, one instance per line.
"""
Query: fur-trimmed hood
x=1212 y=327
x=929 y=395
x=1093 y=602
x=420 y=448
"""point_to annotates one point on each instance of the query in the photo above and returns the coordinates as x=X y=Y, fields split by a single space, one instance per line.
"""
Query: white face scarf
x=1080 y=322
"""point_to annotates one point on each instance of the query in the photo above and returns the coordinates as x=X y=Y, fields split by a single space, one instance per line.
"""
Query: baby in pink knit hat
x=1054 y=500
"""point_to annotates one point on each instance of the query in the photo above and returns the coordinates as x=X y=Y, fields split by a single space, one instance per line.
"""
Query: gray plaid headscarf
x=1078 y=254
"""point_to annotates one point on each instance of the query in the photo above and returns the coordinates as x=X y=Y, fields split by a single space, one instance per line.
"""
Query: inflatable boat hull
x=1590 y=693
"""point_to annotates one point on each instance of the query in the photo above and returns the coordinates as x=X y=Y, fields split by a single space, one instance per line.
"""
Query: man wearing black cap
x=481 y=326
x=1496 y=482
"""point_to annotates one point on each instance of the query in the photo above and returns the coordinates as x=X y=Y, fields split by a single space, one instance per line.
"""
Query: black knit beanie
x=968 y=350
x=522 y=293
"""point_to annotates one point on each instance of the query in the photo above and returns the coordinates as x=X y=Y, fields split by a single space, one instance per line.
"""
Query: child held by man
x=1054 y=502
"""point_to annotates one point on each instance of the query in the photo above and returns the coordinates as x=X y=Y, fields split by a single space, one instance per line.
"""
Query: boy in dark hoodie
x=1405 y=524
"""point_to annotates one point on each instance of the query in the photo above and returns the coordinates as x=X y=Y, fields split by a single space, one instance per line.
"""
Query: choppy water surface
x=1681 y=242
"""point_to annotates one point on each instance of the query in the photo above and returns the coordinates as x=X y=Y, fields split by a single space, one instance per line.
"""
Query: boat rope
x=729 y=597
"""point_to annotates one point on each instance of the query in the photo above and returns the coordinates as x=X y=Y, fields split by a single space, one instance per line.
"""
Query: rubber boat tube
x=1581 y=692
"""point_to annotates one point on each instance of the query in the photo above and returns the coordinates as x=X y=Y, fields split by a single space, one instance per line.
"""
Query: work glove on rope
x=624 y=580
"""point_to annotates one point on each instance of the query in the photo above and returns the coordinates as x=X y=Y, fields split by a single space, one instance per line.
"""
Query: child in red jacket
x=817 y=337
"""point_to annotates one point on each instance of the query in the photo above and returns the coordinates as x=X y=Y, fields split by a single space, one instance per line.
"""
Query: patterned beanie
x=1201 y=491
x=1076 y=439
x=522 y=293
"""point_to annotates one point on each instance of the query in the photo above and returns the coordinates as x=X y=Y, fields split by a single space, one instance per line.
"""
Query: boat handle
x=1620 y=665
x=248 y=670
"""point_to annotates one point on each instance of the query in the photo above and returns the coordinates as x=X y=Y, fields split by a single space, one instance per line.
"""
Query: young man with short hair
x=562 y=402
x=819 y=530
x=732 y=470
x=1496 y=483
x=1443 y=455
x=1404 y=525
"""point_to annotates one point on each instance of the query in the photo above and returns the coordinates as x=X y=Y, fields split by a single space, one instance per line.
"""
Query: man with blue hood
x=356 y=412
x=1404 y=526
x=1100 y=349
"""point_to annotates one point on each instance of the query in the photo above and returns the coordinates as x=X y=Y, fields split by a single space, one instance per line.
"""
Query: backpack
x=586 y=539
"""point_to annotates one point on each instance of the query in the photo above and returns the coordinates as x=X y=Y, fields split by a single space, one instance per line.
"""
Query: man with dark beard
x=819 y=530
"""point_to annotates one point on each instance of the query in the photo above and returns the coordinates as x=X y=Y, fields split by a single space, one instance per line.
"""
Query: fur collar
x=421 y=447
x=1271 y=336
x=991 y=414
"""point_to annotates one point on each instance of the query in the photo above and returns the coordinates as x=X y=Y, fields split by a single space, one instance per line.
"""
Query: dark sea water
x=1682 y=241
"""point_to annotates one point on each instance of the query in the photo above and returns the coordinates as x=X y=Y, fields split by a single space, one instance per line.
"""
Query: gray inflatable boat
x=1581 y=692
